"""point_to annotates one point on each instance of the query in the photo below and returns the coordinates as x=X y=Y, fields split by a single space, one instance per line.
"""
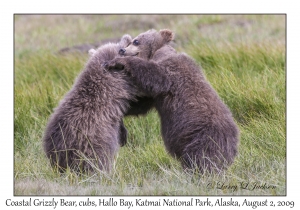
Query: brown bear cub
x=86 y=129
x=197 y=127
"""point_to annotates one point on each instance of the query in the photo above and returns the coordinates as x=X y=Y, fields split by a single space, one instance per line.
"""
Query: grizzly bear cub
x=86 y=129
x=197 y=127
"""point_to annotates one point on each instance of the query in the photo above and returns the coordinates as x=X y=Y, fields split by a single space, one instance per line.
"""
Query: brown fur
x=86 y=129
x=197 y=127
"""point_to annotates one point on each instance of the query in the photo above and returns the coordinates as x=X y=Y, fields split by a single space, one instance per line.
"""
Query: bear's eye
x=135 y=42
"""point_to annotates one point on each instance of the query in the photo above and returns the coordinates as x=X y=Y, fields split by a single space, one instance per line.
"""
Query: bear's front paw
x=116 y=64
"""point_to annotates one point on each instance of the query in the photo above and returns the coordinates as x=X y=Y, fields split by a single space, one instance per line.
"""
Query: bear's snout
x=122 y=51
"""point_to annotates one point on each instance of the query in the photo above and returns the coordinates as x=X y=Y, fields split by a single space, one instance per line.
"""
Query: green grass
x=243 y=57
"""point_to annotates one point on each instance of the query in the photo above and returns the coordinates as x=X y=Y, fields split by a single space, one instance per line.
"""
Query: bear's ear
x=125 y=40
x=92 y=52
x=167 y=35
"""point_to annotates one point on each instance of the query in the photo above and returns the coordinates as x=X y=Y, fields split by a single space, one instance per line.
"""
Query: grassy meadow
x=242 y=56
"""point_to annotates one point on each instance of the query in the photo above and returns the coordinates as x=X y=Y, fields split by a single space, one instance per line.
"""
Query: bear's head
x=115 y=82
x=147 y=43
x=107 y=52
x=124 y=42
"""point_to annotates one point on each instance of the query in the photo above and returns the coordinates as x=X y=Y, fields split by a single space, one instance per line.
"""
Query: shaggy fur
x=86 y=129
x=197 y=127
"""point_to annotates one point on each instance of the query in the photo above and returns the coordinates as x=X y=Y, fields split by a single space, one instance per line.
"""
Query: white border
x=6 y=71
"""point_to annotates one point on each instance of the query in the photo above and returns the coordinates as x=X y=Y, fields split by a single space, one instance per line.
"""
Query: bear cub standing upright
x=197 y=127
x=86 y=129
